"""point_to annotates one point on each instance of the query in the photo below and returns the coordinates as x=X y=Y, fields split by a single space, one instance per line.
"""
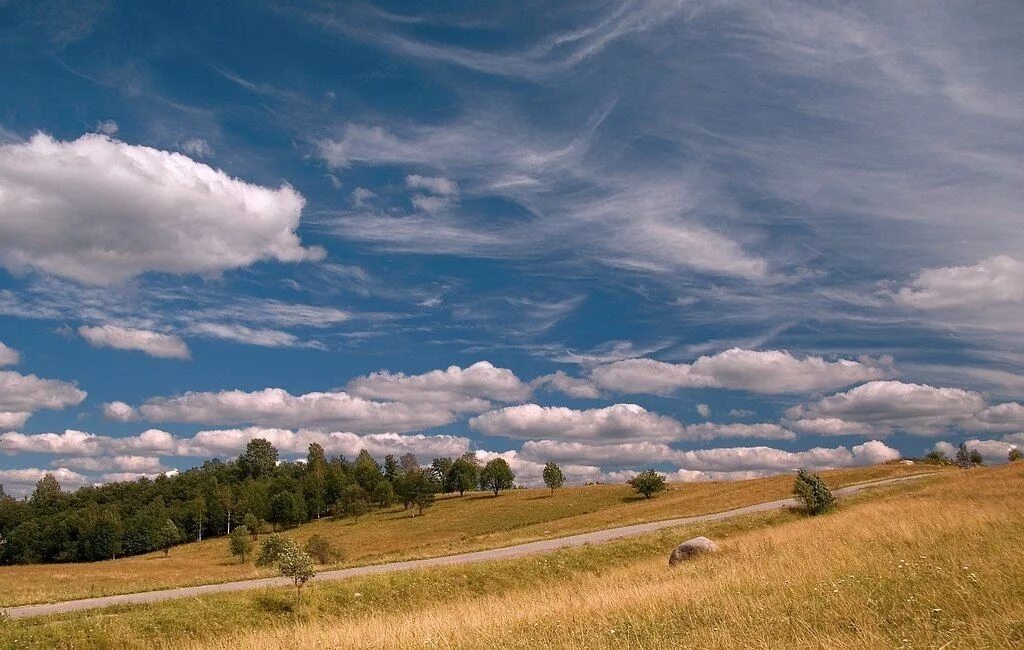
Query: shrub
x=273 y=548
x=240 y=544
x=322 y=550
x=936 y=457
x=648 y=483
x=553 y=477
x=813 y=495
x=1015 y=455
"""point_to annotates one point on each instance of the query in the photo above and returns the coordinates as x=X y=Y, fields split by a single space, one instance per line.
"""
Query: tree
x=321 y=549
x=316 y=460
x=366 y=471
x=168 y=536
x=47 y=498
x=439 y=468
x=553 y=477
x=496 y=476
x=812 y=493
x=383 y=495
x=648 y=483
x=253 y=525
x=976 y=458
x=964 y=457
x=423 y=500
x=259 y=459
x=240 y=543
x=353 y=502
x=391 y=468
x=272 y=548
x=298 y=566
x=287 y=509
x=1015 y=455
x=408 y=463
x=936 y=457
x=464 y=474
x=314 y=493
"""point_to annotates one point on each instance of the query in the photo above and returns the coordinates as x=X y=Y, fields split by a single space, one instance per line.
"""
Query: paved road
x=519 y=550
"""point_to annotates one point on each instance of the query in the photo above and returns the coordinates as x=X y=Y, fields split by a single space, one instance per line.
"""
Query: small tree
x=253 y=525
x=936 y=457
x=966 y=458
x=321 y=549
x=298 y=566
x=1015 y=455
x=423 y=500
x=240 y=543
x=168 y=536
x=273 y=548
x=462 y=475
x=383 y=494
x=812 y=493
x=648 y=483
x=976 y=458
x=496 y=476
x=553 y=477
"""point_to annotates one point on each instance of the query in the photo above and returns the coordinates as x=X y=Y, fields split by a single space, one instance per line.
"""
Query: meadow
x=932 y=563
x=476 y=521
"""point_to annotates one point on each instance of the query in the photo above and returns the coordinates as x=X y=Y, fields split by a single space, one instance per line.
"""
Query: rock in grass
x=691 y=548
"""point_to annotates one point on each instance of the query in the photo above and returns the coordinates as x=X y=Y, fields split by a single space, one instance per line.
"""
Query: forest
x=257 y=490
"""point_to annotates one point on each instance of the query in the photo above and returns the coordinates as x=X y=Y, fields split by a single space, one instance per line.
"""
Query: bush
x=1015 y=455
x=322 y=550
x=648 y=483
x=273 y=548
x=813 y=495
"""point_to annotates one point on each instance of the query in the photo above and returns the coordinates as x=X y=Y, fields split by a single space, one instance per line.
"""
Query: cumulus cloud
x=21 y=481
x=881 y=407
x=13 y=419
x=572 y=386
x=616 y=422
x=703 y=410
x=759 y=371
x=21 y=395
x=134 y=209
x=119 y=412
x=995 y=280
x=8 y=356
x=81 y=443
x=763 y=430
x=529 y=473
x=458 y=389
x=138 y=464
x=276 y=407
x=155 y=344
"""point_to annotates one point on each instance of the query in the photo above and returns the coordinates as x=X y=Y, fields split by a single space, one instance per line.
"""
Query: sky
x=719 y=239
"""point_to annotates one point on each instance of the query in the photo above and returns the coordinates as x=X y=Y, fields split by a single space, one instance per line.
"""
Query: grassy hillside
x=934 y=563
x=456 y=524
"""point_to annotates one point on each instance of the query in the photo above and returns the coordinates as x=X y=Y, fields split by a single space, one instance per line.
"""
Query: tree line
x=257 y=490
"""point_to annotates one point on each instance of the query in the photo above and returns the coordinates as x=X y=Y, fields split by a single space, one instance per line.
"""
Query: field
x=473 y=522
x=934 y=563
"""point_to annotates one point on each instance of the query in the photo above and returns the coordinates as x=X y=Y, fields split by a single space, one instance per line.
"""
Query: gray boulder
x=691 y=548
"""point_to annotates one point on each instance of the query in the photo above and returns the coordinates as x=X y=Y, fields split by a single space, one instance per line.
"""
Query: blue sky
x=717 y=238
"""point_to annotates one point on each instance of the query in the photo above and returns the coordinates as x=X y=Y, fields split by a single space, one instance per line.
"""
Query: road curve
x=519 y=550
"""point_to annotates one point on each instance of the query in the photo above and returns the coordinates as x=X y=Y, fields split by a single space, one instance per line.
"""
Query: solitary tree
x=298 y=566
x=1015 y=455
x=322 y=550
x=648 y=483
x=553 y=477
x=462 y=475
x=240 y=543
x=496 y=476
x=168 y=536
x=812 y=493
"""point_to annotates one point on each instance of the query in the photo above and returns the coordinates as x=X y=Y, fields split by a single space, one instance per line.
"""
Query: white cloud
x=996 y=280
x=994 y=452
x=458 y=389
x=119 y=412
x=617 y=422
x=712 y=430
x=530 y=473
x=266 y=338
x=20 y=394
x=21 y=481
x=881 y=407
x=768 y=371
x=145 y=464
x=155 y=344
x=232 y=441
x=623 y=454
x=107 y=127
x=13 y=419
x=703 y=410
x=740 y=413
x=134 y=209
x=8 y=356
x=81 y=443
x=438 y=185
x=571 y=386
x=275 y=407
x=197 y=148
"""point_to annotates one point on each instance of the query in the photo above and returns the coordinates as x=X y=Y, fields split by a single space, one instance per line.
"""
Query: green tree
x=272 y=548
x=366 y=471
x=464 y=474
x=496 y=476
x=259 y=459
x=253 y=525
x=976 y=458
x=383 y=495
x=240 y=543
x=936 y=457
x=812 y=494
x=648 y=483
x=353 y=502
x=322 y=550
x=47 y=498
x=298 y=566
x=316 y=460
x=1015 y=455
x=314 y=493
x=553 y=477
x=287 y=509
x=391 y=468
x=963 y=457
x=439 y=468
x=168 y=536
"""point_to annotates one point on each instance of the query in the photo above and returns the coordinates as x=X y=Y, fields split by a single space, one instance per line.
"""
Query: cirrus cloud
x=155 y=344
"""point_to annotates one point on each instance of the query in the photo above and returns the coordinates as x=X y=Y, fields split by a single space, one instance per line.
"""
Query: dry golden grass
x=456 y=524
x=933 y=565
